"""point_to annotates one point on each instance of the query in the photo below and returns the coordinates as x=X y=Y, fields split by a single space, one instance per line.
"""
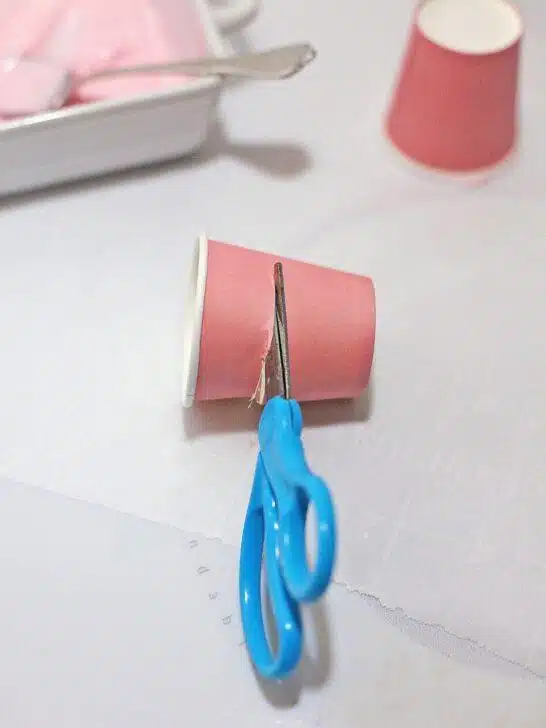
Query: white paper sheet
x=108 y=620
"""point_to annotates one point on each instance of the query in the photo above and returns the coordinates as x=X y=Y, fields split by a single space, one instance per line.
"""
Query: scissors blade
x=277 y=364
x=281 y=333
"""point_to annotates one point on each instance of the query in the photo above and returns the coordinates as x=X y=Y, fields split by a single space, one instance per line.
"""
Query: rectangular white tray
x=97 y=138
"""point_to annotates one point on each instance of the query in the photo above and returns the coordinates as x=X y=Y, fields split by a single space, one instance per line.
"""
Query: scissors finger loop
x=305 y=583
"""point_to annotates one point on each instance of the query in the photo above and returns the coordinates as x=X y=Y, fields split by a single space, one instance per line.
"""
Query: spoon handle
x=276 y=63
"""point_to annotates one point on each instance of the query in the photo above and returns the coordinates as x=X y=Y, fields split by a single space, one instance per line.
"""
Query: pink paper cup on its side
x=455 y=105
x=229 y=326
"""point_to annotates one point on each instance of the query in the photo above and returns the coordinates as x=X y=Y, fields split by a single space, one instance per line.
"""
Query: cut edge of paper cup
x=261 y=388
x=260 y=395
x=262 y=392
x=193 y=319
x=477 y=27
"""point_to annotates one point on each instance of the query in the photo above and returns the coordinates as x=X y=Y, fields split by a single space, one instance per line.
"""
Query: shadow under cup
x=229 y=326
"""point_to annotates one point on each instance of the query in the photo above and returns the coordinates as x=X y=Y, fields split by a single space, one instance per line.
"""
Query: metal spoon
x=49 y=86
x=274 y=64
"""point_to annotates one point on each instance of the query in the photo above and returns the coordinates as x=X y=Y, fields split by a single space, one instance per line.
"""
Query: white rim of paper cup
x=193 y=319
x=470 y=30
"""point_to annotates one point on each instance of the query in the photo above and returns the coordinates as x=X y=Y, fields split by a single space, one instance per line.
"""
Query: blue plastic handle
x=296 y=488
x=258 y=536
x=282 y=491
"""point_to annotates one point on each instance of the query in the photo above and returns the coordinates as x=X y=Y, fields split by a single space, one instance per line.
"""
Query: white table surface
x=297 y=168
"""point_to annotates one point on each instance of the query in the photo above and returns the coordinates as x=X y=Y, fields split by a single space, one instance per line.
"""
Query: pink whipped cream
x=28 y=87
x=85 y=36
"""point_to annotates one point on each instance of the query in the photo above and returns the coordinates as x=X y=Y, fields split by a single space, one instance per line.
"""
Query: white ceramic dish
x=96 y=138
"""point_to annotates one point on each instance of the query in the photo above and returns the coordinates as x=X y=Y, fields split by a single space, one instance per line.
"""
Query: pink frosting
x=85 y=36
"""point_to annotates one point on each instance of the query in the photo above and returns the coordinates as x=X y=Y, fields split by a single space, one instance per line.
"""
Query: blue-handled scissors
x=275 y=523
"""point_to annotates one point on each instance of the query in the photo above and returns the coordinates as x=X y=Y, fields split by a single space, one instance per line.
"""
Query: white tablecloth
x=438 y=482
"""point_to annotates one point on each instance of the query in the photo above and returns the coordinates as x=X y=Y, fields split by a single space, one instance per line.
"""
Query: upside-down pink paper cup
x=229 y=326
x=455 y=104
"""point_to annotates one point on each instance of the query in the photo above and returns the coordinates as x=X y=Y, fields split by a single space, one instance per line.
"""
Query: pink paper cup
x=229 y=326
x=455 y=104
